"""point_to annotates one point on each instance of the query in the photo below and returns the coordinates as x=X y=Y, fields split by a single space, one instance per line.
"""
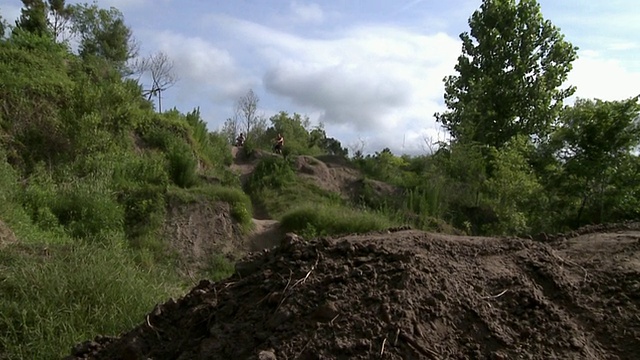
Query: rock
x=267 y=355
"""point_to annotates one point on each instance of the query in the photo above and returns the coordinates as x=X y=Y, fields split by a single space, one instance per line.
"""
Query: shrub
x=313 y=220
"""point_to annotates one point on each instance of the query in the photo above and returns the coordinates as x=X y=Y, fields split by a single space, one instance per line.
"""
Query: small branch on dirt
x=334 y=319
x=284 y=292
x=157 y=331
x=304 y=279
x=395 y=342
x=495 y=296
x=569 y=262
x=426 y=352
x=384 y=342
x=305 y=346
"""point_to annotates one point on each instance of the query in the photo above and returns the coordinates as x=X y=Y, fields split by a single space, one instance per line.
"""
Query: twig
x=284 y=292
x=426 y=352
x=397 y=334
x=383 y=343
x=335 y=317
x=304 y=279
x=157 y=331
x=586 y=274
x=305 y=346
x=495 y=296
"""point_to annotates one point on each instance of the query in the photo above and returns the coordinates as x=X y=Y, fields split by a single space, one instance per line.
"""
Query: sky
x=370 y=71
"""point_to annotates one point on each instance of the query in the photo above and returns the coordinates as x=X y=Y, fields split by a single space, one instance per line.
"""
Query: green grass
x=51 y=301
x=312 y=220
x=219 y=268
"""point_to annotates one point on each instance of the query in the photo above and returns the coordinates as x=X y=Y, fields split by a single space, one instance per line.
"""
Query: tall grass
x=319 y=220
x=51 y=299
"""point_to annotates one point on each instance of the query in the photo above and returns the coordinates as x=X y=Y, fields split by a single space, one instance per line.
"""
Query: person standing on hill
x=279 y=144
x=240 y=140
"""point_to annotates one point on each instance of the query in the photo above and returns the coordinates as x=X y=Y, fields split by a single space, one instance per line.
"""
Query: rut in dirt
x=405 y=295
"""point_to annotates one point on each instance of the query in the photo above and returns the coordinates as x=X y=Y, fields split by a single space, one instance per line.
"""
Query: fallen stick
x=304 y=279
x=569 y=262
x=383 y=343
x=495 y=296
x=426 y=352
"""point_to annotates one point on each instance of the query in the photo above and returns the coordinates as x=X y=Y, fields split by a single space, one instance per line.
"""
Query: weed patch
x=320 y=220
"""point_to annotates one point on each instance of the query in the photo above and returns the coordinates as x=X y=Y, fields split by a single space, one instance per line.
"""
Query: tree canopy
x=512 y=65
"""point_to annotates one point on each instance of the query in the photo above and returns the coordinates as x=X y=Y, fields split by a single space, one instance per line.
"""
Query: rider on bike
x=279 y=144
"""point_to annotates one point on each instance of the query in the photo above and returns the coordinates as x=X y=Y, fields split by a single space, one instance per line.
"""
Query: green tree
x=34 y=17
x=2 y=27
x=509 y=77
x=293 y=128
x=595 y=144
x=103 y=33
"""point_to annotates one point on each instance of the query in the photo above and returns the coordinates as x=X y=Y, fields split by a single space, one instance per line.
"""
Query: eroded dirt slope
x=406 y=295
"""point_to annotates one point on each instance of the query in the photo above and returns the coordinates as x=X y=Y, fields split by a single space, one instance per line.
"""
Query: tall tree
x=247 y=107
x=595 y=143
x=59 y=13
x=509 y=78
x=2 y=27
x=33 y=17
x=103 y=33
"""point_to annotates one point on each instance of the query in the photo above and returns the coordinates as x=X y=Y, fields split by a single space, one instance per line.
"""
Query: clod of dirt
x=405 y=295
x=6 y=235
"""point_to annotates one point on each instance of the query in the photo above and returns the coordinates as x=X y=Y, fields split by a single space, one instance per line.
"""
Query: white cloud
x=202 y=67
x=307 y=13
x=367 y=80
x=604 y=78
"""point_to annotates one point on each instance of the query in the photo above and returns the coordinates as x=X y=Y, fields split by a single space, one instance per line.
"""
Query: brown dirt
x=406 y=295
x=6 y=235
x=199 y=230
x=335 y=174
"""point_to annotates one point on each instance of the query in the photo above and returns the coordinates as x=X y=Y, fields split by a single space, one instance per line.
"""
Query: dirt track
x=406 y=295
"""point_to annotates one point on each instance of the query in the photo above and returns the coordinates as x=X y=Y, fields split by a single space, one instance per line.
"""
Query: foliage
x=103 y=33
x=311 y=220
x=33 y=18
x=509 y=77
x=54 y=297
x=594 y=145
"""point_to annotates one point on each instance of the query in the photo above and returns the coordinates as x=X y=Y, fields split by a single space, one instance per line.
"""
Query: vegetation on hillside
x=88 y=165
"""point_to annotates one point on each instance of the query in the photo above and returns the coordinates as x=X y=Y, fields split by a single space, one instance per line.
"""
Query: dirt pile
x=405 y=295
x=199 y=229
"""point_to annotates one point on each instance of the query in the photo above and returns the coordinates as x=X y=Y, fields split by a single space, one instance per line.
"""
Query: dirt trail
x=406 y=295
x=266 y=232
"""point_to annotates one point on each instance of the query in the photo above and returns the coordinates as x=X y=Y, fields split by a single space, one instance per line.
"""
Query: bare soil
x=406 y=295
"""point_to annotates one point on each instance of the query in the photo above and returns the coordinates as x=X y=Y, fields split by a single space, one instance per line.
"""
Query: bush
x=312 y=220
x=272 y=173
x=182 y=165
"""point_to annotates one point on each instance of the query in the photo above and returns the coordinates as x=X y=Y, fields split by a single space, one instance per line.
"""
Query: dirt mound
x=335 y=174
x=200 y=229
x=405 y=295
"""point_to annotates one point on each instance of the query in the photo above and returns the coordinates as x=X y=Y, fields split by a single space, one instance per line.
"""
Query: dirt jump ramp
x=405 y=295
